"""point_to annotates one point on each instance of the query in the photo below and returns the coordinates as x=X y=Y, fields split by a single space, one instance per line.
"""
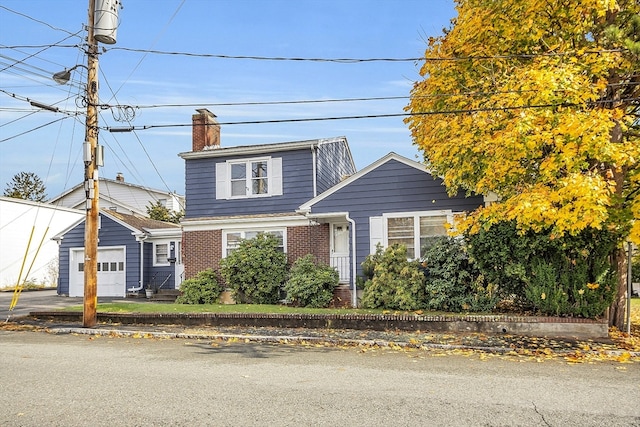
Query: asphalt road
x=46 y=300
x=72 y=380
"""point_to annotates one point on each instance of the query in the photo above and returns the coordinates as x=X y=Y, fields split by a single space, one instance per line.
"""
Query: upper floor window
x=256 y=177
x=249 y=178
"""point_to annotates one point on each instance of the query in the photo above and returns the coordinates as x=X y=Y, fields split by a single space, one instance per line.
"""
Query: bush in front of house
x=453 y=283
x=568 y=275
x=311 y=283
x=396 y=283
x=201 y=289
x=255 y=270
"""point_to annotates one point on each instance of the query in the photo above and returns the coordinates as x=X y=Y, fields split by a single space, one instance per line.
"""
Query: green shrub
x=201 y=289
x=635 y=269
x=396 y=283
x=311 y=284
x=453 y=283
x=544 y=292
x=256 y=270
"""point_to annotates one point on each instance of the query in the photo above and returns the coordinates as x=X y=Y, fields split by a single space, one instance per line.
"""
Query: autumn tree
x=27 y=186
x=538 y=102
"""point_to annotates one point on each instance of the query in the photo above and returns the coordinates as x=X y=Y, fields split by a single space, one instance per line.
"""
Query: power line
x=360 y=60
x=38 y=21
x=372 y=116
x=33 y=129
x=334 y=60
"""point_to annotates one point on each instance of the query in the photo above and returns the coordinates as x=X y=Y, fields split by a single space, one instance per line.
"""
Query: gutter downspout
x=141 y=282
x=315 y=170
x=354 y=296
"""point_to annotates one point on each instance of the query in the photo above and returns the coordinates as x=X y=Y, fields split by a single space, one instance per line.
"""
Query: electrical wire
x=38 y=21
x=364 y=60
x=33 y=129
x=374 y=116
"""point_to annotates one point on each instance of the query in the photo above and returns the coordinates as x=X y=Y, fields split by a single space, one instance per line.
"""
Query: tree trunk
x=619 y=305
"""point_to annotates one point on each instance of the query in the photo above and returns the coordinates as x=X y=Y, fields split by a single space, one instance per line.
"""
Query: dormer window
x=244 y=178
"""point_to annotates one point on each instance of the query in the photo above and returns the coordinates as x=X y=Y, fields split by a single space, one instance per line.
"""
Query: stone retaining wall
x=556 y=327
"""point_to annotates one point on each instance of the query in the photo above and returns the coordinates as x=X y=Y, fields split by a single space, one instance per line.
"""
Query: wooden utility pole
x=90 y=316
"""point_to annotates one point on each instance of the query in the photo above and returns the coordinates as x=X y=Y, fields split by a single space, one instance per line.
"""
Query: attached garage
x=111 y=272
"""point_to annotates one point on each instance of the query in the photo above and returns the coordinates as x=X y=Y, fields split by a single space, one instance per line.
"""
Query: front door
x=340 y=250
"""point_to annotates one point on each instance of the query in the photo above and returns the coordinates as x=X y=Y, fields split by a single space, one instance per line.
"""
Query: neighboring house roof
x=306 y=207
x=141 y=223
x=138 y=225
x=121 y=195
x=261 y=149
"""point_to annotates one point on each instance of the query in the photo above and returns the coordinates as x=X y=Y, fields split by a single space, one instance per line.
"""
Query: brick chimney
x=205 y=131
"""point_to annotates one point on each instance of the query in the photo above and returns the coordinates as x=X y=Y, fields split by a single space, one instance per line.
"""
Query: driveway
x=46 y=300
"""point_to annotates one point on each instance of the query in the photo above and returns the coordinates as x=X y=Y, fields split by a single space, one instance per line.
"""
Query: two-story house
x=234 y=193
x=310 y=196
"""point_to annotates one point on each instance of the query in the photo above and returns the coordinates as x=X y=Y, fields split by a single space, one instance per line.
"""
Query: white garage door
x=111 y=272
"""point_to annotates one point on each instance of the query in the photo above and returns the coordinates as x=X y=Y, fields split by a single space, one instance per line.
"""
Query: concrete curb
x=285 y=339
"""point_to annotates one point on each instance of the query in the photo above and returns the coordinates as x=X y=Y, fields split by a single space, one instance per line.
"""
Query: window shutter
x=276 y=176
x=222 y=178
x=376 y=233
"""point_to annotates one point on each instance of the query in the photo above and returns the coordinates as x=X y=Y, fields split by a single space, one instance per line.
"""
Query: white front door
x=179 y=266
x=340 y=250
x=111 y=272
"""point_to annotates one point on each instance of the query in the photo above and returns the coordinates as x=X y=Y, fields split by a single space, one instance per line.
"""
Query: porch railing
x=342 y=265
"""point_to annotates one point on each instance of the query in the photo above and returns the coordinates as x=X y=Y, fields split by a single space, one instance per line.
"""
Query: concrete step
x=166 y=295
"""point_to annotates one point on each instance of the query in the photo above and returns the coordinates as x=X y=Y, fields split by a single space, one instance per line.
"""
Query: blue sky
x=359 y=29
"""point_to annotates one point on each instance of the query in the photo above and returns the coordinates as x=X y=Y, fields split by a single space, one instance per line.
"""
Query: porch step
x=166 y=295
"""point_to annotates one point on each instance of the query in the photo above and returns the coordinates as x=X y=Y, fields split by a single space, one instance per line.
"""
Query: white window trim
x=259 y=230
x=416 y=220
x=155 y=260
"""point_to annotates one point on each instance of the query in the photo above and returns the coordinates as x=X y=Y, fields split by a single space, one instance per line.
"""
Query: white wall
x=17 y=220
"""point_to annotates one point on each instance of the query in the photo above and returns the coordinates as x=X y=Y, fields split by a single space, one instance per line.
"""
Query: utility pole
x=90 y=153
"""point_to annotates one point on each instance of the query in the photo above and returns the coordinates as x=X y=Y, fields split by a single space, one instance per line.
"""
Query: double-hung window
x=231 y=239
x=249 y=178
x=243 y=178
x=161 y=254
x=411 y=229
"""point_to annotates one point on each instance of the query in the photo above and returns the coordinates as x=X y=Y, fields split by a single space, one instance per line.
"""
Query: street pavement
x=80 y=380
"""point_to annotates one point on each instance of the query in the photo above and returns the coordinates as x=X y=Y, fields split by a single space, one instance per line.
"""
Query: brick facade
x=311 y=239
x=202 y=249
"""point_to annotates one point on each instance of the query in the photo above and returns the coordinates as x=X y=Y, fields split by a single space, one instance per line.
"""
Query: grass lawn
x=151 y=307
x=158 y=307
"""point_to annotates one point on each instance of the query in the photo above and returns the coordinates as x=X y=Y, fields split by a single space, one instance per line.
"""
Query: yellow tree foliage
x=538 y=102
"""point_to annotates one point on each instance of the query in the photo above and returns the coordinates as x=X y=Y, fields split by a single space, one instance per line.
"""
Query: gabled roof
x=391 y=156
x=109 y=181
x=260 y=148
x=137 y=224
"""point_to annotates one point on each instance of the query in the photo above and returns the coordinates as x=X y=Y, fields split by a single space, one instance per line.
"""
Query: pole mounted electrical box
x=105 y=22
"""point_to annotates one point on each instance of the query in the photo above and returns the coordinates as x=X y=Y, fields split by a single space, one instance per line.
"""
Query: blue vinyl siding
x=155 y=275
x=334 y=163
x=111 y=234
x=297 y=186
x=72 y=239
x=391 y=187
